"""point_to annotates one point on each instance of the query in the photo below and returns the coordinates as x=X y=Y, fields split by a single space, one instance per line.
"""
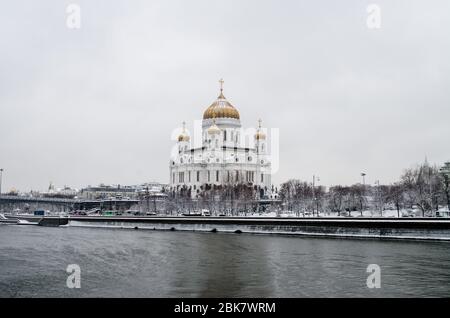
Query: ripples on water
x=128 y=263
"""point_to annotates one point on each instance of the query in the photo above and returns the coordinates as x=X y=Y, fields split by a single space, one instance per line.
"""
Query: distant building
x=103 y=191
x=143 y=197
x=152 y=189
x=62 y=193
x=12 y=192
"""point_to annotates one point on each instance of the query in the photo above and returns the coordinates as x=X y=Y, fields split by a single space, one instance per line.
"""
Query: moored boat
x=30 y=219
x=5 y=220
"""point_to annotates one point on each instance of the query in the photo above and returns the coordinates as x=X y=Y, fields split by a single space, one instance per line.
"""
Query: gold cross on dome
x=221 y=84
x=184 y=126
x=260 y=122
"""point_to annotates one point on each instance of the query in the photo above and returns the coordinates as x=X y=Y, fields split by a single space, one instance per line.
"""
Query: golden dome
x=259 y=134
x=214 y=129
x=184 y=136
x=221 y=108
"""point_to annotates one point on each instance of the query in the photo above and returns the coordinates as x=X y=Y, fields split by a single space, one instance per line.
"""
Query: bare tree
x=358 y=197
x=287 y=192
x=423 y=186
x=336 y=197
x=397 y=196
x=298 y=195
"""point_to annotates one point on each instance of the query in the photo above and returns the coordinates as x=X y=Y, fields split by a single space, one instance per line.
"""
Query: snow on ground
x=386 y=213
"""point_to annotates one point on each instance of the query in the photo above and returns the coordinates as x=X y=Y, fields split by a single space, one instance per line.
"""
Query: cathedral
x=222 y=159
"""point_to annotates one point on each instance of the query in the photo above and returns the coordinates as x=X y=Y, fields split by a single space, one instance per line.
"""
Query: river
x=142 y=263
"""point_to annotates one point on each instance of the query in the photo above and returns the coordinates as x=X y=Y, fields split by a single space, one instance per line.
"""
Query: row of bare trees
x=424 y=188
x=229 y=199
x=301 y=197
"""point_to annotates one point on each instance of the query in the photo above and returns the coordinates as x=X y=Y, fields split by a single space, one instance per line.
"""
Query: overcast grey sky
x=98 y=104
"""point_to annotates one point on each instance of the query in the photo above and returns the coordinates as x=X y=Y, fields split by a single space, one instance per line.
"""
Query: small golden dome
x=221 y=108
x=184 y=136
x=214 y=129
x=259 y=134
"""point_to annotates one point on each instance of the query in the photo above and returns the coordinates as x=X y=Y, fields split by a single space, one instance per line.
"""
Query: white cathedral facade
x=222 y=159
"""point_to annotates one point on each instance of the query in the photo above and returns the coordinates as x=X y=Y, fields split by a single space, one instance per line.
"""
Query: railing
x=33 y=199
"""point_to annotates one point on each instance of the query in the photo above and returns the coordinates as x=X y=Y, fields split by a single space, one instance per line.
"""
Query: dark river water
x=138 y=263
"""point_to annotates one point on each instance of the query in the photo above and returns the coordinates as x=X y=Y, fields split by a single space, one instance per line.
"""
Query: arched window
x=224 y=135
